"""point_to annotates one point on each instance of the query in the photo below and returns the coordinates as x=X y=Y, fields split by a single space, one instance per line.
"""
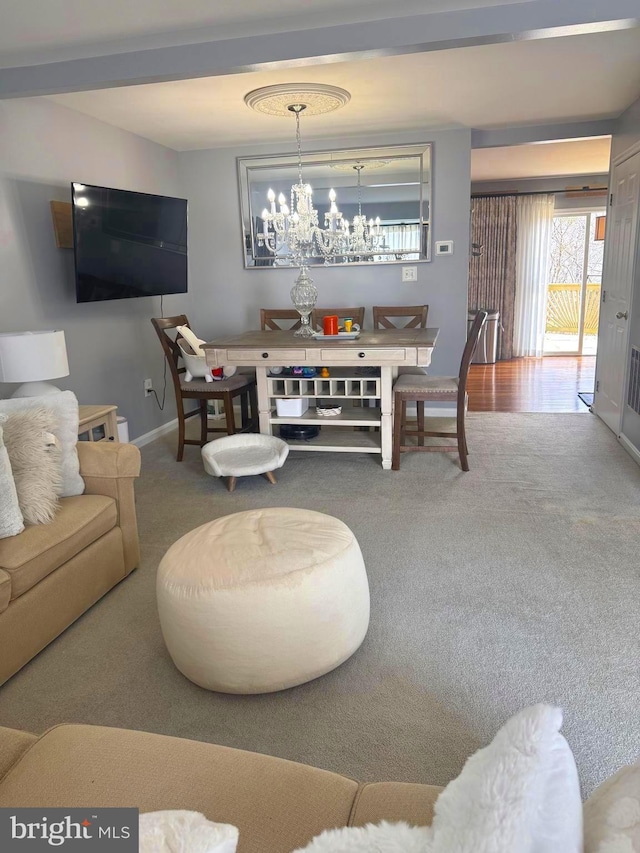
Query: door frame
x=627 y=154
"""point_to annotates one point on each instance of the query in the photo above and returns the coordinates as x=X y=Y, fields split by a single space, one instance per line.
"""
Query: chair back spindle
x=384 y=316
x=271 y=317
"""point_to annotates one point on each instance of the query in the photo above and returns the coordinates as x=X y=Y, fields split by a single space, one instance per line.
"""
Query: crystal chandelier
x=295 y=228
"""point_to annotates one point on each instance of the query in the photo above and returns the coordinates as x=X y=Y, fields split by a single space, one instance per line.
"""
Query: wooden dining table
x=360 y=379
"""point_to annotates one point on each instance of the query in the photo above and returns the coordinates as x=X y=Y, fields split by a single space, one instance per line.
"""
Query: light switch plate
x=444 y=247
x=409 y=273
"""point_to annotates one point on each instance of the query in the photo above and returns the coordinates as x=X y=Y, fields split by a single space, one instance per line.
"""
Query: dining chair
x=403 y=317
x=318 y=315
x=271 y=317
x=394 y=317
x=421 y=389
x=226 y=390
x=385 y=317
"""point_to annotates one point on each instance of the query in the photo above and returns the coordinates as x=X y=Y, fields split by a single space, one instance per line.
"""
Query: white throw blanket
x=185 y=832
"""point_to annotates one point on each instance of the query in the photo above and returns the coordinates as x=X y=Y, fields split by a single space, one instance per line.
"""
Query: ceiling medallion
x=317 y=98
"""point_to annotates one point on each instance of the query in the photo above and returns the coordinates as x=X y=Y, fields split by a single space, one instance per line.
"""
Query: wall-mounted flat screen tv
x=128 y=244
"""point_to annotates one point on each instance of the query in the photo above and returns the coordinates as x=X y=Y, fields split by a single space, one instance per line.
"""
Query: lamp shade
x=32 y=356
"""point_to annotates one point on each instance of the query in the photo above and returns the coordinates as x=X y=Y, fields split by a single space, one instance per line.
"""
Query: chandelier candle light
x=295 y=229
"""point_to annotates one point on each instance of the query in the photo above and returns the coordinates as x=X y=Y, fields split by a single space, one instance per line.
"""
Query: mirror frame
x=422 y=151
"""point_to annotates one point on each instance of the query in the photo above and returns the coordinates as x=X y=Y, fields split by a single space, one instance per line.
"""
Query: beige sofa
x=51 y=573
x=277 y=805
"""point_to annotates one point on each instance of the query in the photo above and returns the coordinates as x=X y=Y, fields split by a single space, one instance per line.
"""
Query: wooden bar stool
x=403 y=317
x=199 y=390
x=423 y=389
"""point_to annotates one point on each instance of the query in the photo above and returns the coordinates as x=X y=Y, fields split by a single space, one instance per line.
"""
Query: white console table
x=381 y=352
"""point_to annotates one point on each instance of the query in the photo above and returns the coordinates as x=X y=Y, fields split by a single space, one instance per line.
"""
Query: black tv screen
x=128 y=244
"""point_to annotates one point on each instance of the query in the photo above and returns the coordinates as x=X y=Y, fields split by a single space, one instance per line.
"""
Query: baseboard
x=631 y=449
x=150 y=436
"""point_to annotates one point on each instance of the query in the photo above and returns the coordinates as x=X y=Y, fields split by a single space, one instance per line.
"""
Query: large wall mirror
x=391 y=186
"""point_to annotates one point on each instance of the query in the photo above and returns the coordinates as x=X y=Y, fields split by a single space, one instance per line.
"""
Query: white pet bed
x=244 y=455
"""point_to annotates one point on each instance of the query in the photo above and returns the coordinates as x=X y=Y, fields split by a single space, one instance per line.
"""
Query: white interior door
x=617 y=281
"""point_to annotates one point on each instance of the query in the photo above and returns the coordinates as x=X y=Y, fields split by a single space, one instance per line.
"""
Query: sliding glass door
x=575 y=276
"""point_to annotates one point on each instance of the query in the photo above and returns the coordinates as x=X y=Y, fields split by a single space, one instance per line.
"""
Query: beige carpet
x=512 y=584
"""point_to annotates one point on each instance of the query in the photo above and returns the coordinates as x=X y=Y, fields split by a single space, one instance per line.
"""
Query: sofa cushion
x=12 y=744
x=277 y=805
x=40 y=550
x=395 y=801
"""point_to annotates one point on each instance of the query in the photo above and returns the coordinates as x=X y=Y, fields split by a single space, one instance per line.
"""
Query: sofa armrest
x=110 y=469
x=12 y=744
x=108 y=459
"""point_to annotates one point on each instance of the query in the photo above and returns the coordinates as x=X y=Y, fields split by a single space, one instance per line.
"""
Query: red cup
x=330 y=324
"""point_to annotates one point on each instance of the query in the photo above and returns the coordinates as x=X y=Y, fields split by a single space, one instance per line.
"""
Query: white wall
x=228 y=297
x=112 y=346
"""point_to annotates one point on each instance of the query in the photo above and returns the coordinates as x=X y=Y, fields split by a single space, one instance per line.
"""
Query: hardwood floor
x=548 y=384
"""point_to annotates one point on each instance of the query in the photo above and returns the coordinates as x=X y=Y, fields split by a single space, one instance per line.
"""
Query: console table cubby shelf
x=342 y=387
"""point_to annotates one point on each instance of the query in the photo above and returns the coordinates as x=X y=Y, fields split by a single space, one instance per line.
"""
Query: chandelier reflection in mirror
x=295 y=229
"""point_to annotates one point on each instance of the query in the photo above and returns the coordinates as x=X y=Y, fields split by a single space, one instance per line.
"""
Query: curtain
x=492 y=274
x=535 y=221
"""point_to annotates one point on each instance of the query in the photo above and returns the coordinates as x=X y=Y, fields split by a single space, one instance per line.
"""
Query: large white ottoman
x=263 y=600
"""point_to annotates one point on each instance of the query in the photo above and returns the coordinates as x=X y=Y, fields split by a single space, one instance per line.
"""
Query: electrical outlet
x=409 y=273
x=148 y=387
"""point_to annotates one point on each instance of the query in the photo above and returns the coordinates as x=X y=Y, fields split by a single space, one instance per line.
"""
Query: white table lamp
x=31 y=357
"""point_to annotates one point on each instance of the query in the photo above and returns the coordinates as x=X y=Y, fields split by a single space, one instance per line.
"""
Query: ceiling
x=572 y=157
x=489 y=86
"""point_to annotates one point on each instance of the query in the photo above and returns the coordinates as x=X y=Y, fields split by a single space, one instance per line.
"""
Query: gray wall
x=111 y=345
x=626 y=135
x=228 y=297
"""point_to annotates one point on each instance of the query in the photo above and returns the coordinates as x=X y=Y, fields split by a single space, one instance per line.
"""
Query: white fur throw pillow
x=11 y=521
x=372 y=838
x=612 y=814
x=64 y=406
x=35 y=462
x=177 y=831
x=520 y=794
